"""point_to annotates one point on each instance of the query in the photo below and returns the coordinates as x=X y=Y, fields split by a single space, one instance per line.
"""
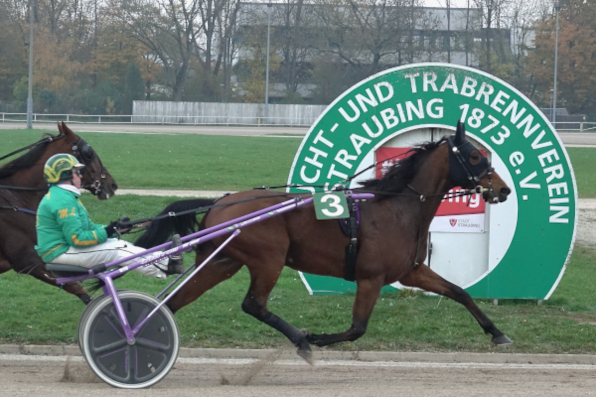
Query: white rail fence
x=225 y=113
x=204 y=113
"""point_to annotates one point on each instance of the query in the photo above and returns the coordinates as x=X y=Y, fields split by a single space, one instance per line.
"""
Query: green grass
x=183 y=161
x=207 y=162
x=583 y=161
x=33 y=312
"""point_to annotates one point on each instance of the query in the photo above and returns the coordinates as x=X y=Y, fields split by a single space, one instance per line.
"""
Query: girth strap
x=350 y=228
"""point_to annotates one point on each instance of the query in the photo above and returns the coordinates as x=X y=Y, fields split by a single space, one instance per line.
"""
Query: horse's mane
x=27 y=160
x=403 y=172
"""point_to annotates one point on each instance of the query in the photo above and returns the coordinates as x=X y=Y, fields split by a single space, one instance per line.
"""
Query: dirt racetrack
x=46 y=376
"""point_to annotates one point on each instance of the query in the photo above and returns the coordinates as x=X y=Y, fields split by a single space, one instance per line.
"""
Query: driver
x=66 y=235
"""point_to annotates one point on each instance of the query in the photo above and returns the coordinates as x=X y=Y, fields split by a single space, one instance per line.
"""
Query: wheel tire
x=107 y=352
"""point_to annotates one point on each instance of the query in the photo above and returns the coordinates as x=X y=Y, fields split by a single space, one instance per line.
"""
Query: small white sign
x=467 y=223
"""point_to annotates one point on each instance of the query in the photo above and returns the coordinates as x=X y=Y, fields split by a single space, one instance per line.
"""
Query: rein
x=80 y=149
x=44 y=140
x=200 y=210
x=33 y=189
x=18 y=209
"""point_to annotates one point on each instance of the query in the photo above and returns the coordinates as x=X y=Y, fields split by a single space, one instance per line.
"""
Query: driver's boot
x=175 y=265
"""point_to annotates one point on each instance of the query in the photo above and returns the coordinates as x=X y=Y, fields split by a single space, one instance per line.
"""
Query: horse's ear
x=65 y=130
x=460 y=132
x=59 y=126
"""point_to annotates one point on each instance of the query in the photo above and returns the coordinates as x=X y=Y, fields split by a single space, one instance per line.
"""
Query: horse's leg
x=74 y=288
x=366 y=297
x=30 y=263
x=423 y=277
x=264 y=276
x=217 y=270
x=4 y=264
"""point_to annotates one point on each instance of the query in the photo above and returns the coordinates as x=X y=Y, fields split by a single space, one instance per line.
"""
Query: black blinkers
x=467 y=166
x=86 y=151
x=83 y=151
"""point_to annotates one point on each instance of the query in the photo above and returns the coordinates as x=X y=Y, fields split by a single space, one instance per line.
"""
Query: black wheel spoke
x=132 y=368
x=109 y=348
x=150 y=344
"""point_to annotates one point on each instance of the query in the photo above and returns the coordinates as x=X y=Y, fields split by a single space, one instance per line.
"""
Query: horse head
x=96 y=177
x=470 y=169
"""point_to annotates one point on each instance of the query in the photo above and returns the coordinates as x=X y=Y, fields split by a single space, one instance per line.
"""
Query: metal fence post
x=581 y=126
x=99 y=120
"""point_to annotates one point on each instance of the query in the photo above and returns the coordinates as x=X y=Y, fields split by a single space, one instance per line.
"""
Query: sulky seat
x=60 y=270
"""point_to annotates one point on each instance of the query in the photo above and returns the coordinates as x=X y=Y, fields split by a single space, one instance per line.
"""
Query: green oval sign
x=529 y=238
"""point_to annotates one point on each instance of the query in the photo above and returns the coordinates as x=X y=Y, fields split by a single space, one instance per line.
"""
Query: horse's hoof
x=306 y=355
x=304 y=332
x=502 y=340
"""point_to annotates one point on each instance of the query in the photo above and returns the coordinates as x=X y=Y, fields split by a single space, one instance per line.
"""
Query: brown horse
x=392 y=237
x=22 y=187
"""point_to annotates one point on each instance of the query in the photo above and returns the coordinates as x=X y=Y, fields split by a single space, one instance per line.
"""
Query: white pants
x=112 y=250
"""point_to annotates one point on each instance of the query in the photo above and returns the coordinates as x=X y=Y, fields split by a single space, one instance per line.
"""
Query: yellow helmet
x=59 y=167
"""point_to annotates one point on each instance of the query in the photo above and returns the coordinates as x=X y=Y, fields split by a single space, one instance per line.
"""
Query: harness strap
x=352 y=225
x=47 y=139
x=18 y=209
x=33 y=189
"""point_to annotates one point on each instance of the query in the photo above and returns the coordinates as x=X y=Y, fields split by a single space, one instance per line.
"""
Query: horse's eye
x=475 y=158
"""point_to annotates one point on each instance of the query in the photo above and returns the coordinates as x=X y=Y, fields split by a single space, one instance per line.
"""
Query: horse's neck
x=432 y=181
x=31 y=177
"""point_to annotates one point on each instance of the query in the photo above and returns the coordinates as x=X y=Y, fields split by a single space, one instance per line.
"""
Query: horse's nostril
x=505 y=191
x=114 y=186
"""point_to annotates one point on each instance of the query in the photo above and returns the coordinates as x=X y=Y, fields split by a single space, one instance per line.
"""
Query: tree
x=254 y=67
x=293 y=36
x=576 y=86
x=134 y=88
x=54 y=62
x=167 y=28
x=116 y=50
x=492 y=17
x=227 y=49
x=523 y=18
x=13 y=53
x=370 y=35
x=329 y=77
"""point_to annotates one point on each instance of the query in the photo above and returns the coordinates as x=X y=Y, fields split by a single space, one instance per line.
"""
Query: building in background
x=316 y=44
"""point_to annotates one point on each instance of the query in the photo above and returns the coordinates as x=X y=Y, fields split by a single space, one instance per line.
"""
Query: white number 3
x=335 y=204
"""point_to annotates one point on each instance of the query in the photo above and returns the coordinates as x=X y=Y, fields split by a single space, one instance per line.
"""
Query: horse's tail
x=160 y=230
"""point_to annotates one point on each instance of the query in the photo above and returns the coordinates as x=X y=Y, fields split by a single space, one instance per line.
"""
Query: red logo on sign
x=452 y=222
x=451 y=205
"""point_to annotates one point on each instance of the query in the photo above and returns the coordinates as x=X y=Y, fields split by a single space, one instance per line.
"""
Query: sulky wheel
x=85 y=314
x=141 y=364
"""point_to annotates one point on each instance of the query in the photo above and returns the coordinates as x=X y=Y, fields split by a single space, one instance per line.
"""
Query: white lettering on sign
x=525 y=183
x=379 y=91
x=491 y=111
x=468 y=88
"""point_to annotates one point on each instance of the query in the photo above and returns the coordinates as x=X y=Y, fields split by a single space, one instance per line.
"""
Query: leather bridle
x=86 y=155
